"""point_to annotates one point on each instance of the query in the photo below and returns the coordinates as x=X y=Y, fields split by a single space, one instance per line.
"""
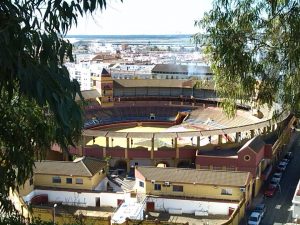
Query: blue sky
x=144 y=17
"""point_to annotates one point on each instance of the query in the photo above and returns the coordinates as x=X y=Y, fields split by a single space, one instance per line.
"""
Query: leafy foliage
x=16 y=220
x=27 y=132
x=254 y=50
x=37 y=106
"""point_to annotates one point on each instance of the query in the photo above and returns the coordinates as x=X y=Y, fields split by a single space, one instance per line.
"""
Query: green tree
x=37 y=97
x=254 y=51
x=16 y=220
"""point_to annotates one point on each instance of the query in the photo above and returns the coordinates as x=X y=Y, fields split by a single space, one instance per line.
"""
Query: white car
x=277 y=177
x=254 y=218
x=281 y=166
x=260 y=208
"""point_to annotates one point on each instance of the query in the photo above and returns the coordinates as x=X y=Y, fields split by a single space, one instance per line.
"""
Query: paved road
x=279 y=207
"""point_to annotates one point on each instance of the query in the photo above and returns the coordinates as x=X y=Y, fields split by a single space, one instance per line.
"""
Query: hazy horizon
x=144 y=17
x=69 y=35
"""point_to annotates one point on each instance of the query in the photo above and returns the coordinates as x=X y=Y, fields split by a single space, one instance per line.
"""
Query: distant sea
x=176 y=39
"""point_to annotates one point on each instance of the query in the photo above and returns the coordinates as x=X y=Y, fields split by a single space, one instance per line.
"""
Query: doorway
x=97 y=202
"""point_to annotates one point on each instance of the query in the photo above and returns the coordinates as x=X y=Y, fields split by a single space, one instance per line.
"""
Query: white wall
x=189 y=206
x=81 y=198
x=111 y=200
x=296 y=211
x=296 y=203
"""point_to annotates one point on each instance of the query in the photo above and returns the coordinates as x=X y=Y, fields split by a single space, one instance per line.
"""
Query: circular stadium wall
x=113 y=131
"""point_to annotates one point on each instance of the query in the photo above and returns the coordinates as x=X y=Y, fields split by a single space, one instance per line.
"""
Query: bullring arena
x=170 y=123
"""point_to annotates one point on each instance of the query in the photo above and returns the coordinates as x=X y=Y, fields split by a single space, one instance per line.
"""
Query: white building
x=82 y=72
x=296 y=203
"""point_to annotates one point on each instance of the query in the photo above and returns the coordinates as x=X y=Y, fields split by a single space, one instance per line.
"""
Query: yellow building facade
x=193 y=183
x=84 y=173
x=68 y=182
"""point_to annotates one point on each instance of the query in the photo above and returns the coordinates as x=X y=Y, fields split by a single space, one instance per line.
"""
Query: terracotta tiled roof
x=86 y=167
x=190 y=176
x=104 y=56
x=89 y=94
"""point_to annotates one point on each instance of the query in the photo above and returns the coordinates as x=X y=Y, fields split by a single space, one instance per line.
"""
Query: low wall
x=237 y=215
x=84 y=199
x=190 y=206
x=149 y=222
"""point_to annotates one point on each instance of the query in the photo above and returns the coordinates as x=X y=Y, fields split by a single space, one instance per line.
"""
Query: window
x=157 y=187
x=247 y=157
x=226 y=191
x=178 y=188
x=79 y=181
x=69 y=180
x=56 y=180
x=141 y=184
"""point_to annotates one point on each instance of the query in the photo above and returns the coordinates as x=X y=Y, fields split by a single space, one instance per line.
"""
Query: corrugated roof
x=86 y=167
x=209 y=177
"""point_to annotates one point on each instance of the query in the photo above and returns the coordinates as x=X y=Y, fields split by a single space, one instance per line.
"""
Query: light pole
x=54 y=206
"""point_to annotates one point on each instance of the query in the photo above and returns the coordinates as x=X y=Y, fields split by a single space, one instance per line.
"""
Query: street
x=279 y=207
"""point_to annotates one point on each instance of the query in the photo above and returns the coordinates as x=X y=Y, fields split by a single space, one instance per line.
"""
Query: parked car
x=271 y=190
x=285 y=160
x=289 y=155
x=254 y=218
x=260 y=208
x=281 y=166
x=274 y=181
x=277 y=177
